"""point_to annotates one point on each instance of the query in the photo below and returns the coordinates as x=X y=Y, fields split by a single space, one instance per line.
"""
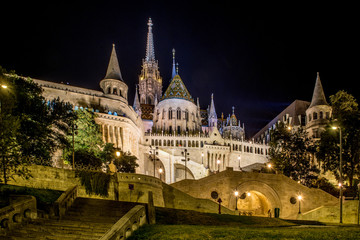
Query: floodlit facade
x=186 y=141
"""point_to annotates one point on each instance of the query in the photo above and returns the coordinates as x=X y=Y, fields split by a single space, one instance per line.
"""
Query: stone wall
x=123 y=187
x=276 y=189
x=331 y=214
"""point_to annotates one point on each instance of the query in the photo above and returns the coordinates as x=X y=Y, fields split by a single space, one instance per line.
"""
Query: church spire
x=212 y=112
x=150 y=53
x=113 y=70
x=318 y=95
x=136 y=104
x=173 y=65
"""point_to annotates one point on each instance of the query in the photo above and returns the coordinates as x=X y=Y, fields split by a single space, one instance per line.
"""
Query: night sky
x=257 y=58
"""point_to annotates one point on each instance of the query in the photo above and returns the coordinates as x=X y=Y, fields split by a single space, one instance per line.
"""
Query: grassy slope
x=188 y=217
x=169 y=232
x=182 y=224
x=44 y=197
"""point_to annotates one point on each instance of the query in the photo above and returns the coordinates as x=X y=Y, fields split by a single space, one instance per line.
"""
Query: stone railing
x=22 y=208
x=126 y=225
x=64 y=202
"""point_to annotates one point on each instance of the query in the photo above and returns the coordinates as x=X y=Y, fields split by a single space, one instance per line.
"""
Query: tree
x=31 y=128
x=291 y=153
x=126 y=163
x=345 y=115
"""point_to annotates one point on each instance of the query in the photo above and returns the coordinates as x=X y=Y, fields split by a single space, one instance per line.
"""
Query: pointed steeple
x=198 y=103
x=150 y=53
x=136 y=104
x=113 y=70
x=173 y=65
x=212 y=112
x=318 y=95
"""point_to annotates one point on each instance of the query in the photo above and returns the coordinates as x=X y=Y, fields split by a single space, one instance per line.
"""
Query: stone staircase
x=86 y=219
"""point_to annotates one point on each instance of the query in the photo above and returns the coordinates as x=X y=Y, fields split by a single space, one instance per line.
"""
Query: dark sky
x=257 y=58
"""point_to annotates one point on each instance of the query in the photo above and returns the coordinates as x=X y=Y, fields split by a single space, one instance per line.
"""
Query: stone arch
x=180 y=172
x=262 y=189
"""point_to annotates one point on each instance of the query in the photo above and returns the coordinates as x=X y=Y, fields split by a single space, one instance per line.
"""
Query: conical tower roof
x=212 y=111
x=318 y=95
x=136 y=104
x=177 y=89
x=113 y=70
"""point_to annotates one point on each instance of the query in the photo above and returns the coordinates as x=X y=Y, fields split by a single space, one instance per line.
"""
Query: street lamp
x=3 y=86
x=340 y=177
x=185 y=154
x=299 y=198
x=218 y=163
x=236 y=198
x=160 y=172
x=248 y=194
x=154 y=151
x=202 y=158
x=239 y=158
x=117 y=153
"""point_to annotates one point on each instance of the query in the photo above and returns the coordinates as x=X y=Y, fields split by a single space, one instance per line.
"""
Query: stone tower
x=150 y=81
x=319 y=111
x=113 y=84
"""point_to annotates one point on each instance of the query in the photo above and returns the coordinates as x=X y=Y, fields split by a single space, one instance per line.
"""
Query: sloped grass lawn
x=182 y=224
x=44 y=197
x=188 y=217
x=194 y=232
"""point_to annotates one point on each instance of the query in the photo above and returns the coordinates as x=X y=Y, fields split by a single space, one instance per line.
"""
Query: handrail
x=126 y=225
x=21 y=208
x=64 y=202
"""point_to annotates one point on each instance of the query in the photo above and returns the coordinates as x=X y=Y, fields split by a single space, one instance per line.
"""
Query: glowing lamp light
x=334 y=127
x=269 y=165
x=218 y=161
x=202 y=154
x=249 y=194
x=289 y=128
x=160 y=170
x=118 y=154
x=340 y=185
x=236 y=193
x=3 y=86
x=299 y=197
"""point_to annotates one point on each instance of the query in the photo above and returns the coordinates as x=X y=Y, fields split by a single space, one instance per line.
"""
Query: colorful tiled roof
x=177 y=89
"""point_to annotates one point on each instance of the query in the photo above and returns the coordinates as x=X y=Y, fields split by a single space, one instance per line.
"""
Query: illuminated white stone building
x=165 y=125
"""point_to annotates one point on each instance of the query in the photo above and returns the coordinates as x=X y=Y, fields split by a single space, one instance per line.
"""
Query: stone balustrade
x=126 y=225
x=64 y=202
x=22 y=208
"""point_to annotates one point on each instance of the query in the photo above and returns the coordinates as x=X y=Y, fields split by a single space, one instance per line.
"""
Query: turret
x=319 y=111
x=113 y=84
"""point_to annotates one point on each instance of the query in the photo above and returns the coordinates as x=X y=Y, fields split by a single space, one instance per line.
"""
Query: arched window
x=163 y=114
x=115 y=91
x=109 y=90
x=178 y=114
x=321 y=115
x=315 y=116
x=170 y=113
x=186 y=115
x=120 y=93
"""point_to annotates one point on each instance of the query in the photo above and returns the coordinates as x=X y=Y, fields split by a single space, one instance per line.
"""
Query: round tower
x=113 y=85
x=319 y=112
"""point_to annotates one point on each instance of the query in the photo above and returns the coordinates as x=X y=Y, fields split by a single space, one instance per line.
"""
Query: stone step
x=86 y=219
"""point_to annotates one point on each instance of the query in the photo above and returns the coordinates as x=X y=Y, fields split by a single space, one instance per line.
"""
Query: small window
x=315 y=115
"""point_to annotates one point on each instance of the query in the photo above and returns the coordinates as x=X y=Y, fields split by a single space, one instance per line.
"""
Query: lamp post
x=160 y=172
x=239 y=158
x=154 y=151
x=185 y=154
x=299 y=198
x=218 y=163
x=202 y=158
x=236 y=198
x=340 y=177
